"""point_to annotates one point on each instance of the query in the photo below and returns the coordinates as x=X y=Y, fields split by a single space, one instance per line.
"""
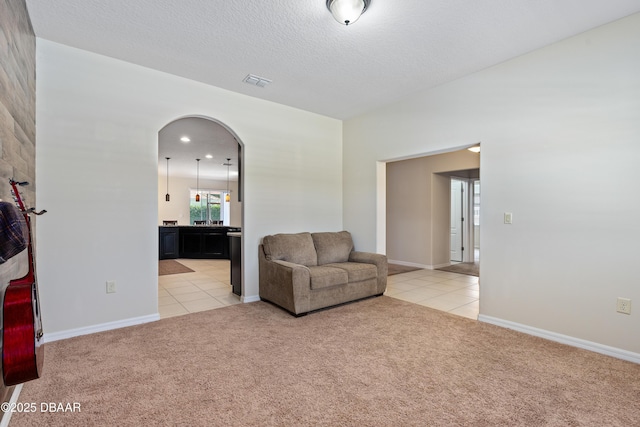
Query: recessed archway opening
x=200 y=216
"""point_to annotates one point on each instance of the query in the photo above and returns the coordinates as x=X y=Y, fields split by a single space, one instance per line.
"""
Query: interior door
x=476 y=220
x=457 y=220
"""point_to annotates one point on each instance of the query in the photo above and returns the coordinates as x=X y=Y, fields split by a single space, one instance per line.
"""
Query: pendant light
x=197 y=180
x=167 y=197
x=227 y=197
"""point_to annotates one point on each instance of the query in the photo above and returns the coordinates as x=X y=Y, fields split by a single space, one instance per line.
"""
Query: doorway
x=465 y=220
x=476 y=220
x=427 y=198
x=200 y=209
x=457 y=220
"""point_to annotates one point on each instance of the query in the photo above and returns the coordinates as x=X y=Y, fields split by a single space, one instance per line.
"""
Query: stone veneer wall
x=17 y=107
x=17 y=99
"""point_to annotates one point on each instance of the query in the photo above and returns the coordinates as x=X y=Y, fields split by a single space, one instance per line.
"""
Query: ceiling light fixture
x=475 y=148
x=347 y=12
x=185 y=139
x=166 y=197
x=197 y=180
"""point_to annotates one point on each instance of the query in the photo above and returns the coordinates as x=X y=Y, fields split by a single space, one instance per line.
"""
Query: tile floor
x=451 y=292
x=208 y=287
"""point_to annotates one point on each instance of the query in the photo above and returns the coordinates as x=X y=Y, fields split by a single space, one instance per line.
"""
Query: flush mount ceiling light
x=347 y=12
x=185 y=139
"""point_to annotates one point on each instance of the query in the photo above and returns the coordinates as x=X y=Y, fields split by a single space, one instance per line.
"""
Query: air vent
x=256 y=80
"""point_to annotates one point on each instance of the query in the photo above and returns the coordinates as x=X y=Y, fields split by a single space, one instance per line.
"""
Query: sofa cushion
x=326 y=277
x=295 y=248
x=332 y=246
x=357 y=271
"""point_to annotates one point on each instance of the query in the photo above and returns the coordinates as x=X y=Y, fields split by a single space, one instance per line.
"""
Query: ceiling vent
x=256 y=80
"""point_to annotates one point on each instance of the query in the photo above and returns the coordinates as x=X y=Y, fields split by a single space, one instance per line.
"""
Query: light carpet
x=377 y=362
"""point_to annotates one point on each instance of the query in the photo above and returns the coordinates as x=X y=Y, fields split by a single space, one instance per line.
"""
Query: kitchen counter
x=194 y=241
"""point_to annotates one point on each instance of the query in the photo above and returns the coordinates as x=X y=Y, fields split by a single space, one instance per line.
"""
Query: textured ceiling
x=396 y=48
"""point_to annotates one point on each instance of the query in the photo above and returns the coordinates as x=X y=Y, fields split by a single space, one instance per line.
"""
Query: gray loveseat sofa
x=308 y=271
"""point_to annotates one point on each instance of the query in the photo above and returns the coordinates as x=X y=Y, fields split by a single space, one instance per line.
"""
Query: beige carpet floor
x=378 y=362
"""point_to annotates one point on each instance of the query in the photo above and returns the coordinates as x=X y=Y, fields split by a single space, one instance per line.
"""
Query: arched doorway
x=200 y=215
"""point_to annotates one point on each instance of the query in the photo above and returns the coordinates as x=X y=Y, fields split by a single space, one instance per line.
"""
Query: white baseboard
x=55 y=336
x=6 y=416
x=437 y=266
x=416 y=265
x=564 y=339
x=410 y=264
x=250 y=298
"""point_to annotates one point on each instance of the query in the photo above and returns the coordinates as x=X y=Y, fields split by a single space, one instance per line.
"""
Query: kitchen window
x=210 y=210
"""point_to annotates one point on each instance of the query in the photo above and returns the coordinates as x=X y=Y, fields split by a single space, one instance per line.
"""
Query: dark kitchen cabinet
x=169 y=248
x=235 y=249
x=194 y=242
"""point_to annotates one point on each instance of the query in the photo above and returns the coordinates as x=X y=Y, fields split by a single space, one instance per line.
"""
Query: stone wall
x=17 y=99
x=17 y=107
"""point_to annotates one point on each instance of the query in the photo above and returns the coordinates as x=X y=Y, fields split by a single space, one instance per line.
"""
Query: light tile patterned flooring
x=208 y=287
x=451 y=292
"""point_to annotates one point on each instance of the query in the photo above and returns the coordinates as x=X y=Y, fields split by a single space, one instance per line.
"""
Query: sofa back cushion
x=295 y=248
x=333 y=247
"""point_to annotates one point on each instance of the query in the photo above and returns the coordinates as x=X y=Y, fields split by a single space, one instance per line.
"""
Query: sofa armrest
x=380 y=262
x=285 y=284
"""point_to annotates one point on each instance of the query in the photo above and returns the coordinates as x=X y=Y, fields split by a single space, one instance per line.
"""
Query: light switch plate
x=508 y=218
x=111 y=287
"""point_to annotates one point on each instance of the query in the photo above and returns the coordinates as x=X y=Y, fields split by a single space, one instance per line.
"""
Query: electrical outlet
x=623 y=305
x=111 y=287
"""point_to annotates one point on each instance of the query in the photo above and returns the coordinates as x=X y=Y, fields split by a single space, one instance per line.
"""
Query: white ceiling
x=206 y=137
x=396 y=48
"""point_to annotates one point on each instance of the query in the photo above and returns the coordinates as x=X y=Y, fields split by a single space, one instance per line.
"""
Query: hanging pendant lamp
x=227 y=197
x=167 y=197
x=197 y=180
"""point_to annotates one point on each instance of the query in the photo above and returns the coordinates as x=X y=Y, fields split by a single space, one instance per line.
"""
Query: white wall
x=560 y=132
x=177 y=208
x=97 y=125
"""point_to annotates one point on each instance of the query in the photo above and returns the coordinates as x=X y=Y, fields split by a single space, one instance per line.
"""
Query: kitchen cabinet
x=194 y=241
x=235 y=252
x=169 y=248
